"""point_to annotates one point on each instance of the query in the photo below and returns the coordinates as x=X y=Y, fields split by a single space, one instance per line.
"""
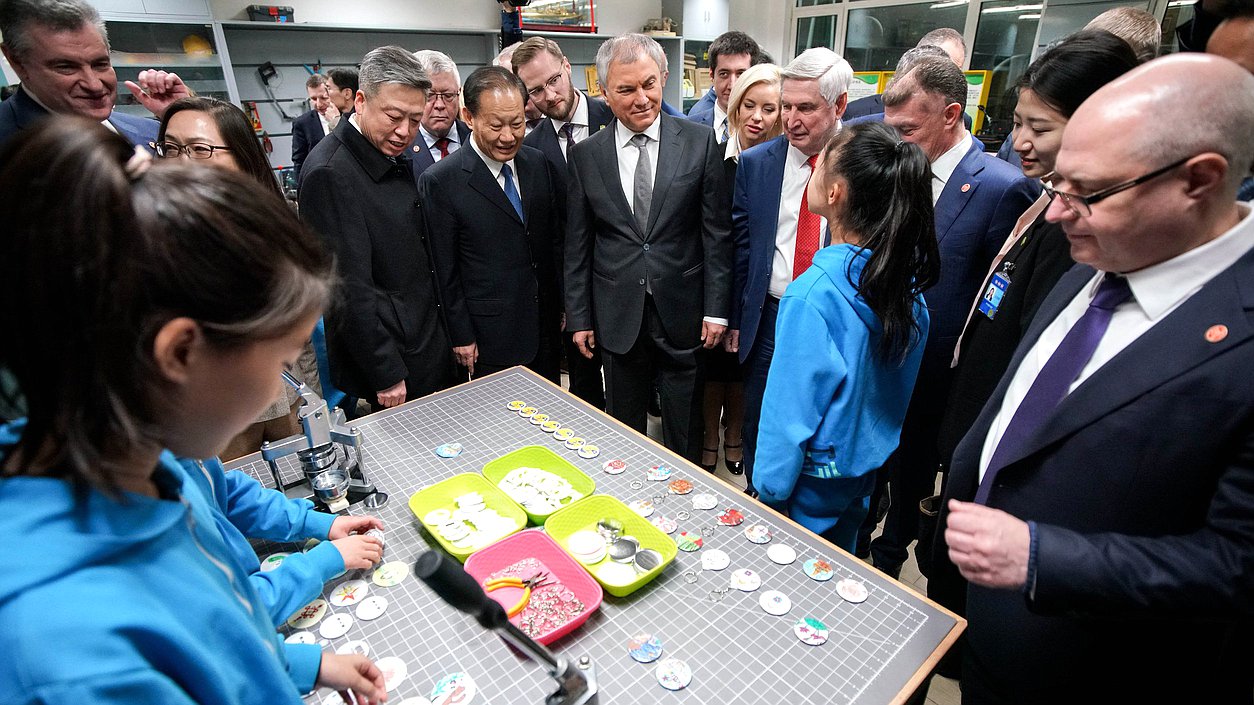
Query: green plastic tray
x=584 y=515
x=442 y=494
x=545 y=459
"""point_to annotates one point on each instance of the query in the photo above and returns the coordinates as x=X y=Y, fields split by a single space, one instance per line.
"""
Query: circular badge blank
x=715 y=559
x=704 y=501
x=272 y=561
x=394 y=671
x=674 y=674
x=335 y=626
x=810 y=631
x=390 y=574
x=371 y=607
x=758 y=533
x=453 y=689
x=781 y=554
x=301 y=638
x=818 y=569
x=308 y=615
x=852 y=590
x=664 y=524
x=746 y=580
x=774 y=602
x=353 y=648
x=614 y=467
x=644 y=647
x=349 y=592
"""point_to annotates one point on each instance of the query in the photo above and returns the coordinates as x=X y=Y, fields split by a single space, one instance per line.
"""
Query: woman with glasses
x=1036 y=253
x=752 y=119
x=850 y=334
x=217 y=134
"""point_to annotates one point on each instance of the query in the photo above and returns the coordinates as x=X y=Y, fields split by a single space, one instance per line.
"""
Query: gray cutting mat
x=738 y=653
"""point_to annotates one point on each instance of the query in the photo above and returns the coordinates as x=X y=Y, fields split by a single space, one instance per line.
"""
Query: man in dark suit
x=60 y=53
x=342 y=88
x=1102 y=506
x=775 y=235
x=441 y=132
x=731 y=54
x=648 y=250
x=570 y=117
x=385 y=339
x=978 y=199
x=495 y=228
x=310 y=127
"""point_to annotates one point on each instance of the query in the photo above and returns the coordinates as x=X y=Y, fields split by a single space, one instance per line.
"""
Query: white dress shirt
x=50 y=111
x=453 y=141
x=326 y=127
x=1157 y=290
x=495 y=167
x=720 y=122
x=796 y=176
x=579 y=119
x=944 y=166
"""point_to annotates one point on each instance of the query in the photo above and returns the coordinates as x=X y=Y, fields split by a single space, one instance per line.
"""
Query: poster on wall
x=977 y=97
x=864 y=83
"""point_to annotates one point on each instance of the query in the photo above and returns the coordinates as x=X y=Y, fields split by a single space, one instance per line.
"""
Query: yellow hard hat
x=196 y=45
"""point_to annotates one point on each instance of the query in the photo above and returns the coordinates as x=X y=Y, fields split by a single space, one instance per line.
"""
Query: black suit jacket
x=866 y=105
x=545 y=138
x=684 y=252
x=497 y=273
x=420 y=153
x=385 y=325
x=1141 y=484
x=306 y=134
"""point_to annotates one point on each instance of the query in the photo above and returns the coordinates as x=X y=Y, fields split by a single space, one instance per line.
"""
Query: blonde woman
x=752 y=118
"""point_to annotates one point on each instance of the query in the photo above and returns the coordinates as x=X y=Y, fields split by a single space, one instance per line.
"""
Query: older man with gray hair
x=978 y=199
x=775 y=235
x=385 y=340
x=442 y=132
x=648 y=249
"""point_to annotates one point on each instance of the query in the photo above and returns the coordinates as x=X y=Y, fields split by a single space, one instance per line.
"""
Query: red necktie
x=442 y=145
x=807 y=231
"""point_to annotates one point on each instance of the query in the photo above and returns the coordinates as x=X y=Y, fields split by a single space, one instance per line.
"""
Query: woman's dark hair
x=1073 y=69
x=890 y=207
x=237 y=134
x=97 y=258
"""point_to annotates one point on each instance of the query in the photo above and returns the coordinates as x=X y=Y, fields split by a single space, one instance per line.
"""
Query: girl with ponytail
x=850 y=334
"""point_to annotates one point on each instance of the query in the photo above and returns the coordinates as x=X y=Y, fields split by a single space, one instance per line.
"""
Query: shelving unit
x=190 y=49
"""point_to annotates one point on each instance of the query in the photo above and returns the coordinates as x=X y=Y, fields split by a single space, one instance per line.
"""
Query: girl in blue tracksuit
x=850 y=334
x=143 y=312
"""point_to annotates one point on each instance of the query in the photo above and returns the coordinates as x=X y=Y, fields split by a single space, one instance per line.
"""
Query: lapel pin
x=966 y=187
x=417 y=149
x=1214 y=334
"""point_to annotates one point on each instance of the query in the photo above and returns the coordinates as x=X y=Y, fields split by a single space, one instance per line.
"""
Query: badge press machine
x=330 y=453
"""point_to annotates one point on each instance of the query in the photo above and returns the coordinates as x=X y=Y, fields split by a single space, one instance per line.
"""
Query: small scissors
x=538 y=580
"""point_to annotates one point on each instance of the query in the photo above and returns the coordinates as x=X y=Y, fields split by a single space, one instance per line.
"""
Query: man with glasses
x=978 y=199
x=1101 y=509
x=570 y=117
x=441 y=132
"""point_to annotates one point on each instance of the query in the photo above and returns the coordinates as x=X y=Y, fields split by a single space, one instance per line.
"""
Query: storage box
x=270 y=13
x=544 y=459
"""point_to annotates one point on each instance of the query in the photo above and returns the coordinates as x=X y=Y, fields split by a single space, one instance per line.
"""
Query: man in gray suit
x=648 y=247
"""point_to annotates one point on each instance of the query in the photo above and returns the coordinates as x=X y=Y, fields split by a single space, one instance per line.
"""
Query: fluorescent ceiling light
x=954 y=3
x=1179 y=3
x=1012 y=8
x=1035 y=16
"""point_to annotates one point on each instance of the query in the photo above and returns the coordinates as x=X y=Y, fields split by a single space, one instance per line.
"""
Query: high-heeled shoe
x=710 y=468
x=735 y=467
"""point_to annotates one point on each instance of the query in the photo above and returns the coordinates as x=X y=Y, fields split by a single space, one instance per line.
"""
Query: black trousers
x=546 y=362
x=755 y=368
x=631 y=376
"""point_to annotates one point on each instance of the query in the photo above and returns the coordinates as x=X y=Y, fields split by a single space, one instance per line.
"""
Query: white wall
x=613 y=16
x=766 y=21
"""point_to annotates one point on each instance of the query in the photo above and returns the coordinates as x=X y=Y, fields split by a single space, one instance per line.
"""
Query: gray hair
x=17 y=17
x=1133 y=25
x=626 y=49
x=391 y=64
x=832 y=72
x=934 y=75
x=434 y=62
x=941 y=35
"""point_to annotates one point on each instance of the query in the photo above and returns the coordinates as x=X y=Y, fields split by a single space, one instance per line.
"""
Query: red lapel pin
x=1216 y=333
x=966 y=187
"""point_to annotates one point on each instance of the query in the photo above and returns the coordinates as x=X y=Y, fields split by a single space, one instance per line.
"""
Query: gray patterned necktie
x=642 y=184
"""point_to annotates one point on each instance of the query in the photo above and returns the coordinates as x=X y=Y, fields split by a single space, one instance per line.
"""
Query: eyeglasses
x=551 y=83
x=1083 y=205
x=446 y=97
x=195 y=150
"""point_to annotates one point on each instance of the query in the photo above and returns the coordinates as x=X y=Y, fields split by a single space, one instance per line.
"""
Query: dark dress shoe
x=710 y=468
x=735 y=467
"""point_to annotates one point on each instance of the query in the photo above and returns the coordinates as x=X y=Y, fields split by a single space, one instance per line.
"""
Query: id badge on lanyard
x=996 y=290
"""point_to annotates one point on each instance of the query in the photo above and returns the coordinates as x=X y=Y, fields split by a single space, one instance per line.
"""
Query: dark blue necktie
x=1056 y=377
x=511 y=191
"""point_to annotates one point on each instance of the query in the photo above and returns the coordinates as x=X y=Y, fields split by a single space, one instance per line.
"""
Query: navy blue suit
x=20 y=111
x=866 y=105
x=306 y=134
x=420 y=154
x=1141 y=484
x=979 y=206
x=706 y=104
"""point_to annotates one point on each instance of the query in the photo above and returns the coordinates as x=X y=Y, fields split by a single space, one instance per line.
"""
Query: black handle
x=455 y=586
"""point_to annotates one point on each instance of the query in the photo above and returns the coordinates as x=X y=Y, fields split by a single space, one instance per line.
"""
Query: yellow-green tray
x=544 y=459
x=442 y=494
x=584 y=515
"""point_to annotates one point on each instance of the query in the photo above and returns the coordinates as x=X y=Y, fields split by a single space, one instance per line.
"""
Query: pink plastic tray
x=534 y=543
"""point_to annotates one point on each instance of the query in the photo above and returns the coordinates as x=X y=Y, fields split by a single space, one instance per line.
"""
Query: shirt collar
x=732 y=151
x=579 y=118
x=376 y=164
x=1159 y=288
x=624 y=135
x=719 y=118
x=430 y=138
x=493 y=165
x=944 y=166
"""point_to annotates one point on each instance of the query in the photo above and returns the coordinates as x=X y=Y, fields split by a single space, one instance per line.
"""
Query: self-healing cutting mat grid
x=737 y=652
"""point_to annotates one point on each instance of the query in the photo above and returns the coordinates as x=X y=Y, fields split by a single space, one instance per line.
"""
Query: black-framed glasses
x=551 y=83
x=448 y=98
x=1083 y=205
x=195 y=150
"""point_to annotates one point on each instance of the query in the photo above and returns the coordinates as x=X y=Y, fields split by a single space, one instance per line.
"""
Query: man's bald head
x=1234 y=40
x=1144 y=109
